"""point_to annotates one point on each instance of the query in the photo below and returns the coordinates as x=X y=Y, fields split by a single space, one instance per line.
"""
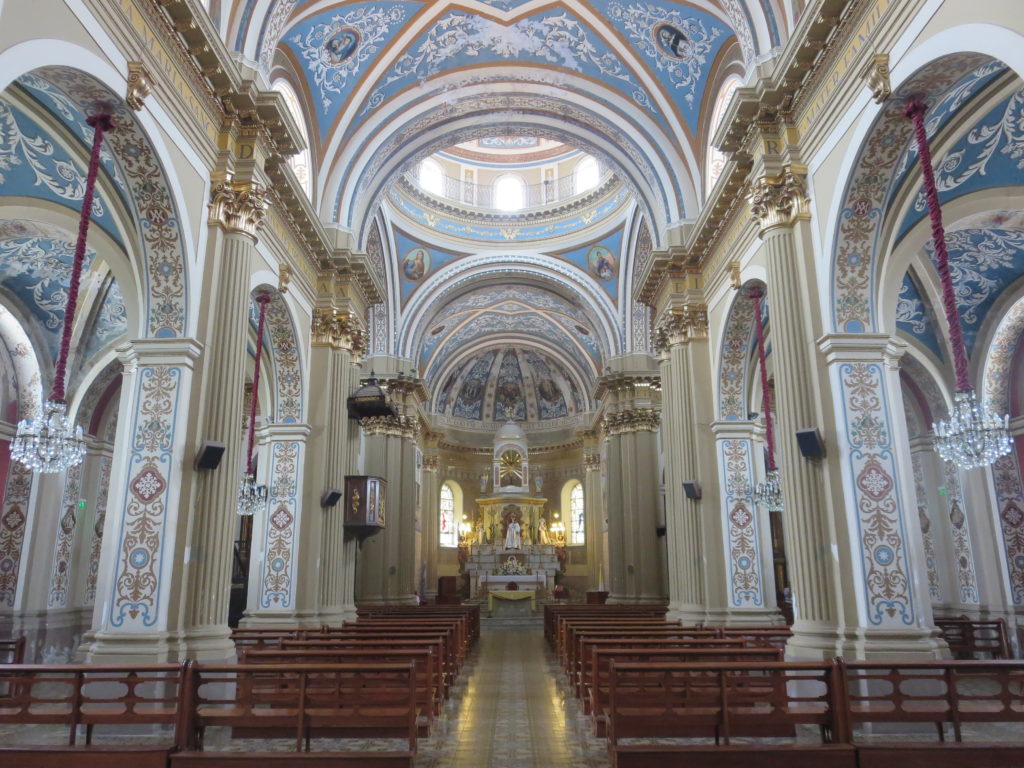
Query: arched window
x=431 y=177
x=716 y=158
x=301 y=163
x=509 y=193
x=587 y=175
x=449 y=526
x=577 y=515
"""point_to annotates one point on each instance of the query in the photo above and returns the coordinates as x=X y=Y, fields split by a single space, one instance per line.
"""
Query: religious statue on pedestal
x=513 y=538
x=542 y=535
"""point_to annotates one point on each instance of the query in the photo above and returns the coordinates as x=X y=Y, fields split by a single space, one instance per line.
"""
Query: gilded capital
x=779 y=201
x=340 y=330
x=238 y=206
x=631 y=420
x=681 y=327
x=592 y=462
x=407 y=427
x=431 y=463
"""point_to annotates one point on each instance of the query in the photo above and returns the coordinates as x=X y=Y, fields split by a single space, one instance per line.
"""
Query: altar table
x=511 y=594
x=523 y=581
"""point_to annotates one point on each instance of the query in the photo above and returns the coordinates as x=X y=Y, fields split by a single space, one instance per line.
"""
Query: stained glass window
x=576 y=515
x=449 y=528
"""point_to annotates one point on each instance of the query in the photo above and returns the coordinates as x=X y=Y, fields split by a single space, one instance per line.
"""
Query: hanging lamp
x=769 y=493
x=973 y=435
x=50 y=442
x=251 y=496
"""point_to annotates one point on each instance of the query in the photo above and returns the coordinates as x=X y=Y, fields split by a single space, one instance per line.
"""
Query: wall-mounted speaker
x=812 y=446
x=661 y=530
x=330 y=497
x=692 y=489
x=210 y=454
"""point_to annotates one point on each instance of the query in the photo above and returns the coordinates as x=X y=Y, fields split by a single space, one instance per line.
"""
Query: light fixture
x=252 y=497
x=50 y=442
x=973 y=435
x=769 y=493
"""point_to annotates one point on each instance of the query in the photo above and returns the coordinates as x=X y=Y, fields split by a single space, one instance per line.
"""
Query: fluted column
x=593 y=501
x=430 y=502
x=388 y=562
x=236 y=214
x=630 y=427
x=679 y=444
x=325 y=581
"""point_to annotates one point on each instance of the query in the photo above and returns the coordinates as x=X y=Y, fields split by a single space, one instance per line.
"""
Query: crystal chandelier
x=769 y=493
x=50 y=442
x=252 y=497
x=973 y=435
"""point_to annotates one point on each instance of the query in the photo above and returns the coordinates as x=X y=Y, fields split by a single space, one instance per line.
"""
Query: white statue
x=483 y=482
x=513 y=539
x=543 y=535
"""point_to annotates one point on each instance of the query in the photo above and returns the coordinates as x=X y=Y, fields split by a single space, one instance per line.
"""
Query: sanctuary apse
x=509 y=212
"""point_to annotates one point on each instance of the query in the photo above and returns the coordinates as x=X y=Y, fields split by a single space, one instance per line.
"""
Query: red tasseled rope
x=263 y=299
x=101 y=123
x=915 y=111
x=756 y=294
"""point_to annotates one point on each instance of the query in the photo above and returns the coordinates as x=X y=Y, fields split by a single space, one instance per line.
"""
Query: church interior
x=471 y=383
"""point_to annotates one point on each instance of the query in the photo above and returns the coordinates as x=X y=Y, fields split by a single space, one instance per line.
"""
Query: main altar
x=512 y=553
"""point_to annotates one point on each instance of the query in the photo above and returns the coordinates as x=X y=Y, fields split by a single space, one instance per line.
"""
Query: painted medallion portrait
x=340 y=46
x=672 y=41
x=602 y=262
x=416 y=263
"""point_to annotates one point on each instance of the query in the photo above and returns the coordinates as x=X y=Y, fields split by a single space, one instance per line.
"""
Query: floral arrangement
x=512 y=567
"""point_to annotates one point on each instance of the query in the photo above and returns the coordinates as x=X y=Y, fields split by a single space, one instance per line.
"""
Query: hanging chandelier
x=50 y=442
x=973 y=435
x=769 y=493
x=252 y=497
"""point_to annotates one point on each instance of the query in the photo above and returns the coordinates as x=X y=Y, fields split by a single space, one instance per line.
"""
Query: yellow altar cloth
x=511 y=594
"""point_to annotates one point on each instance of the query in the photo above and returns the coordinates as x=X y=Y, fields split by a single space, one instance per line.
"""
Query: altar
x=492 y=581
x=514 y=597
x=539 y=564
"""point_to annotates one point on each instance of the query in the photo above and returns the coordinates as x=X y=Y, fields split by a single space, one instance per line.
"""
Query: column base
x=283 y=619
x=620 y=599
x=211 y=644
x=745 y=618
x=335 y=616
x=817 y=642
x=691 y=615
x=51 y=637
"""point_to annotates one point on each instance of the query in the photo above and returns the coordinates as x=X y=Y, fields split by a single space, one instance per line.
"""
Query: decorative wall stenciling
x=273 y=28
x=13 y=516
x=870 y=456
x=134 y=602
x=746 y=588
x=931 y=562
x=60 y=577
x=100 y=518
x=335 y=51
x=283 y=348
x=864 y=200
x=736 y=353
x=641 y=327
x=279 y=542
x=999 y=365
x=1010 y=497
x=71 y=94
x=915 y=317
x=966 y=578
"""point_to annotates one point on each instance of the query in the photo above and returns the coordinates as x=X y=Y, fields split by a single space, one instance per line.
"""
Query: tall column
x=237 y=209
x=388 y=563
x=630 y=425
x=430 y=503
x=327 y=573
x=594 y=508
x=673 y=335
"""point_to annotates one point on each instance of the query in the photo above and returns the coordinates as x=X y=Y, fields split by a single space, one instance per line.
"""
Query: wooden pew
x=456 y=627
x=762 y=637
x=722 y=700
x=429 y=685
x=941 y=693
x=572 y=632
x=973 y=639
x=552 y=611
x=567 y=629
x=471 y=612
x=304 y=702
x=597 y=690
x=577 y=657
x=12 y=650
x=74 y=695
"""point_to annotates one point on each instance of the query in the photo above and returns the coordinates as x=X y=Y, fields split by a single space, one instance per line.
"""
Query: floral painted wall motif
x=100 y=519
x=931 y=561
x=149 y=471
x=13 y=516
x=736 y=352
x=63 y=546
x=870 y=457
x=279 y=542
x=966 y=578
x=1010 y=497
x=746 y=588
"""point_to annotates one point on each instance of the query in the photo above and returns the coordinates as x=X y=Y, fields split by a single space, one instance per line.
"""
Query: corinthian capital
x=238 y=206
x=340 y=330
x=631 y=420
x=779 y=201
x=680 y=327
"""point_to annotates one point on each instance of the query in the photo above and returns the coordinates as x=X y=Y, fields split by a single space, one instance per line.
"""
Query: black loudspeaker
x=661 y=530
x=810 y=442
x=210 y=454
x=692 y=489
x=330 y=497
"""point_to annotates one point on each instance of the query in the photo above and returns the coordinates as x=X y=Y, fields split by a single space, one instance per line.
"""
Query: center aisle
x=512 y=711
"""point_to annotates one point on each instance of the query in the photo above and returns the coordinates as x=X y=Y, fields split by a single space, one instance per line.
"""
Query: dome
x=509 y=432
